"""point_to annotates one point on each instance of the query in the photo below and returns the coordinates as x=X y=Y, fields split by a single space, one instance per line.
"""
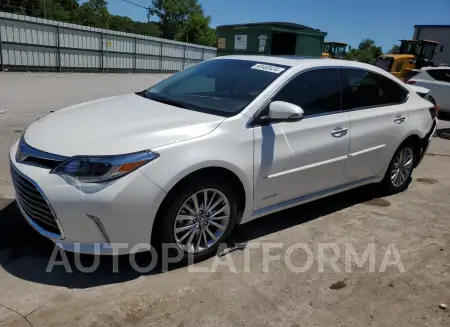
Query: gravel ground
x=415 y=222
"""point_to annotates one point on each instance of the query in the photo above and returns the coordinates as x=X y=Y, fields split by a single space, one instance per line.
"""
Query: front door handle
x=399 y=119
x=339 y=132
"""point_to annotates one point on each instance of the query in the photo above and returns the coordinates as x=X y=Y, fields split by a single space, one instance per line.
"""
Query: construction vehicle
x=413 y=54
x=334 y=50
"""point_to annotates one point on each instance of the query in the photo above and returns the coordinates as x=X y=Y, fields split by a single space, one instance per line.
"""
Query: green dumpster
x=274 y=38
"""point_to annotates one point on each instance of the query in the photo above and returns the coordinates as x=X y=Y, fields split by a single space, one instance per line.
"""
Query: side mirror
x=280 y=111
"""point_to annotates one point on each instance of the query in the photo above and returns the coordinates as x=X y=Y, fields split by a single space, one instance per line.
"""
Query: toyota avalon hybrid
x=221 y=143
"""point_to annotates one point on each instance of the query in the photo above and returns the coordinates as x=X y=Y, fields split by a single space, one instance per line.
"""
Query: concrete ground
x=415 y=222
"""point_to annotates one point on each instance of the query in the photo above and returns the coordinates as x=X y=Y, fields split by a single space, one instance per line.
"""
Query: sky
x=349 y=21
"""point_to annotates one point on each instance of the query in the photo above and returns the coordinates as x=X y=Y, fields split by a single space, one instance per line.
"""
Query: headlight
x=93 y=169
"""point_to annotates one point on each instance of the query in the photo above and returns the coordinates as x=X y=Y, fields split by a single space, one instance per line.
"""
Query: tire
x=184 y=195
x=392 y=183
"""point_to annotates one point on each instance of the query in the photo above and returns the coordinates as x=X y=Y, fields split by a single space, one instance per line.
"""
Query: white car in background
x=437 y=80
x=221 y=143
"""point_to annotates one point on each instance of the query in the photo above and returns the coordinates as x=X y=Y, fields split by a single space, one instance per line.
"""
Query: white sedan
x=221 y=143
x=437 y=80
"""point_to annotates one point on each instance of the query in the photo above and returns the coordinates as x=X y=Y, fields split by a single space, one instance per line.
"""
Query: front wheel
x=398 y=175
x=200 y=217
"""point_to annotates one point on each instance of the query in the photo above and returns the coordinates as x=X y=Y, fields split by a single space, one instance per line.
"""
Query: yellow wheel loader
x=334 y=50
x=413 y=54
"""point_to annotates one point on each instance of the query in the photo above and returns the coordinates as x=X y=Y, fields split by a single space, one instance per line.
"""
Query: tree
x=93 y=13
x=367 y=52
x=182 y=19
x=150 y=28
x=395 y=49
x=366 y=44
x=352 y=54
x=197 y=30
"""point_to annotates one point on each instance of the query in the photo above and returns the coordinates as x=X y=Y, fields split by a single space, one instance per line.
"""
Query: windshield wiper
x=161 y=99
x=141 y=94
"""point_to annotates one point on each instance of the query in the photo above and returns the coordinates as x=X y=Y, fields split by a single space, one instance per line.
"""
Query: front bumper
x=105 y=218
x=425 y=142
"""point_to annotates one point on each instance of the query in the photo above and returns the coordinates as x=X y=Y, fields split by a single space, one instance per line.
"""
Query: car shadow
x=25 y=254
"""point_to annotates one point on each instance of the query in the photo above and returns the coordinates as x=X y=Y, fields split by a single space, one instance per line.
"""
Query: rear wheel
x=398 y=175
x=201 y=216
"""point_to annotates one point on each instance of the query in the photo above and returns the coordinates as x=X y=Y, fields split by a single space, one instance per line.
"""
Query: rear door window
x=362 y=89
x=442 y=75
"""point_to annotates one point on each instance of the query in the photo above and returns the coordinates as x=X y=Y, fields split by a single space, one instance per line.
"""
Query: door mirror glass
x=280 y=111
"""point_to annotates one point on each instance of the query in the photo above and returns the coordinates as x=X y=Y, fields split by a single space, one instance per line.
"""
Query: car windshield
x=221 y=87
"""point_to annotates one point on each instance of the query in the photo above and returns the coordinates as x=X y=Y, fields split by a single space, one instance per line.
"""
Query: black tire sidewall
x=179 y=197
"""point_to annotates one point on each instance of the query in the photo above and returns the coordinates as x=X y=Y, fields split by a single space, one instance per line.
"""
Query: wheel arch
x=242 y=189
x=416 y=141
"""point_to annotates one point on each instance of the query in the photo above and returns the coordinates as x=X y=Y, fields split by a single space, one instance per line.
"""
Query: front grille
x=33 y=203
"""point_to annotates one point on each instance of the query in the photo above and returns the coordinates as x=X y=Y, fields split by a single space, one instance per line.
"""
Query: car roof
x=436 y=68
x=297 y=61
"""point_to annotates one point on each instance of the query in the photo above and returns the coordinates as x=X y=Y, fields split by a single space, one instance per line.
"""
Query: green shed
x=275 y=38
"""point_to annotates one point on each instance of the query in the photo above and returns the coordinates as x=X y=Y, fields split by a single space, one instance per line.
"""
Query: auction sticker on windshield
x=268 y=68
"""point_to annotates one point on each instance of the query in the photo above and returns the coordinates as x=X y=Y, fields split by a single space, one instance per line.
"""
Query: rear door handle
x=339 y=132
x=399 y=119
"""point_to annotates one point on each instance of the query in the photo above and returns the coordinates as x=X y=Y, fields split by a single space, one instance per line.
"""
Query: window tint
x=442 y=75
x=361 y=88
x=316 y=91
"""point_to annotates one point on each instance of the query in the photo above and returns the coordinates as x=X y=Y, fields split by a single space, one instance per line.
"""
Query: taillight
x=434 y=111
x=411 y=82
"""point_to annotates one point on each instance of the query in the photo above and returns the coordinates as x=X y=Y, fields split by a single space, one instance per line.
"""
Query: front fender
x=231 y=151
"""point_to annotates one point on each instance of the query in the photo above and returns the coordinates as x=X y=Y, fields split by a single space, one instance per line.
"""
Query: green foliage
x=197 y=30
x=54 y=9
x=182 y=20
x=352 y=54
x=173 y=14
x=367 y=52
x=93 y=13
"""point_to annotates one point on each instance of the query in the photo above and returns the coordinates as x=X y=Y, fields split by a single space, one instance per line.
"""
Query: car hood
x=116 y=125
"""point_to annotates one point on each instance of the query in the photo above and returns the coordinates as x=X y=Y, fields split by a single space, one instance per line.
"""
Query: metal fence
x=30 y=43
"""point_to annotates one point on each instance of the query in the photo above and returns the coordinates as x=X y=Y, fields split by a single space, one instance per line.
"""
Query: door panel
x=440 y=91
x=375 y=134
x=445 y=95
x=438 y=82
x=295 y=159
x=379 y=117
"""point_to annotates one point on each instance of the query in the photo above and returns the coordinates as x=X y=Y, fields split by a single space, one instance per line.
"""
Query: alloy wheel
x=402 y=167
x=201 y=220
